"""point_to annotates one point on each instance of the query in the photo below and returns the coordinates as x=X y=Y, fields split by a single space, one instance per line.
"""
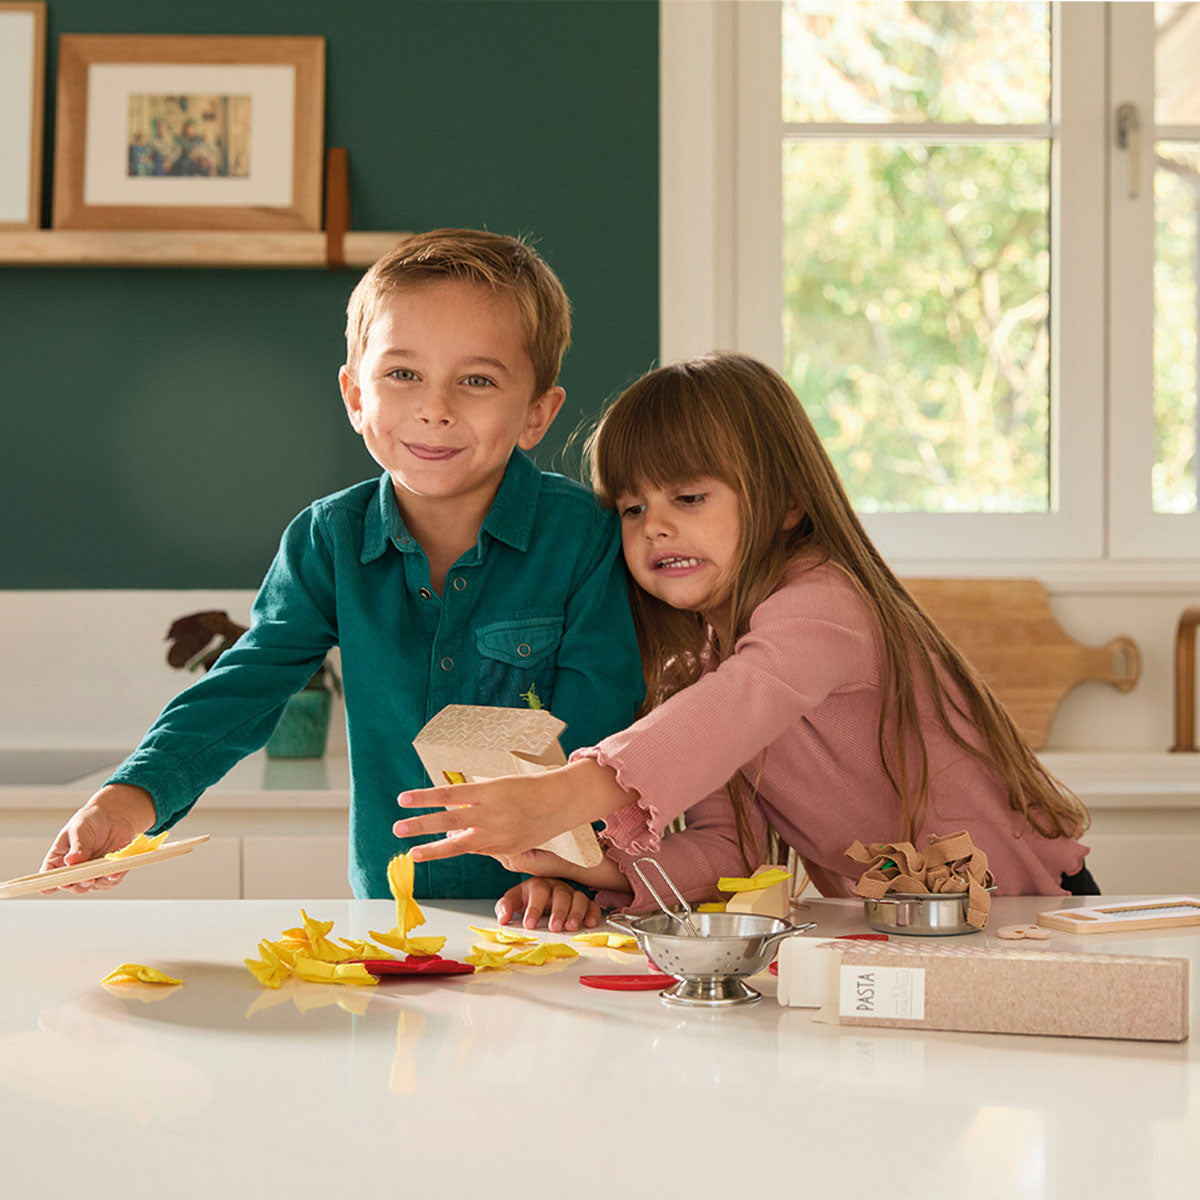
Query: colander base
x=714 y=992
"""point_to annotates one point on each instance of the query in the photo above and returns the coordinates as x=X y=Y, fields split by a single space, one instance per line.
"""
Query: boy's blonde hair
x=498 y=262
x=730 y=417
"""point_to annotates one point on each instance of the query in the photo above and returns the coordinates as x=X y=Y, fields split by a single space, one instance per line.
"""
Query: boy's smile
x=442 y=395
x=681 y=542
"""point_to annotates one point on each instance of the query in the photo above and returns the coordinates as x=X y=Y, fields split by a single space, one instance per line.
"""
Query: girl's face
x=681 y=542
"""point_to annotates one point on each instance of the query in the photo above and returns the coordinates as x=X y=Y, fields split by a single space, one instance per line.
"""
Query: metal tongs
x=684 y=920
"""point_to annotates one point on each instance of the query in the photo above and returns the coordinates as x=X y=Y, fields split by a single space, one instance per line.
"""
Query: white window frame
x=1137 y=531
x=721 y=287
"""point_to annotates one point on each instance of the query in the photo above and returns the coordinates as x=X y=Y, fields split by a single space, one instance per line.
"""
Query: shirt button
x=425 y=594
x=459 y=583
x=523 y=650
x=447 y=664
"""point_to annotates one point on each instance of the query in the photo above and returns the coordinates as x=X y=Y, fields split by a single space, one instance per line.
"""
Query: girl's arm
x=511 y=815
x=806 y=641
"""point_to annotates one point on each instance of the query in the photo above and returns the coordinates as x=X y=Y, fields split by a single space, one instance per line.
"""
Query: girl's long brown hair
x=730 y=417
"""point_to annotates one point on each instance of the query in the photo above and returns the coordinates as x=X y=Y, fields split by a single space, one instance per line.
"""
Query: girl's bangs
x=659 y=436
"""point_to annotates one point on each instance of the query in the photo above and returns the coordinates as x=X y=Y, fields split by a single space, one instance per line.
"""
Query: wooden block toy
x=772 y=901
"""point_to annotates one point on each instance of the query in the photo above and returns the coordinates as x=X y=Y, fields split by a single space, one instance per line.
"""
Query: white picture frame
x=22 y=101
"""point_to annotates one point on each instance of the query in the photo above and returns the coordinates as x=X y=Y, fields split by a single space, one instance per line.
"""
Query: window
x=918 y=213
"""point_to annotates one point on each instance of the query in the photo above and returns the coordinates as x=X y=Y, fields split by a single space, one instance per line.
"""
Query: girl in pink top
x=792 y=680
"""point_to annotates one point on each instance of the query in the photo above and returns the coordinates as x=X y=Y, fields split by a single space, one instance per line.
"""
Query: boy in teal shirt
x=463 y=575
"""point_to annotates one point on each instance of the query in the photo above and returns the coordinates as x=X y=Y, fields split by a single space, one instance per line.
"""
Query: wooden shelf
x=177 y=248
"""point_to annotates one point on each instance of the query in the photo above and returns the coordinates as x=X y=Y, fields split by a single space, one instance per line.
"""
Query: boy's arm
x=233 y=709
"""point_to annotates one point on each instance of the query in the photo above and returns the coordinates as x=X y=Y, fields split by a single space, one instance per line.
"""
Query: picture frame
x=22 y=101
x=189 y=132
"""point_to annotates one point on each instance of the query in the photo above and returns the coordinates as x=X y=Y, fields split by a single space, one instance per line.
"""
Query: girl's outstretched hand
x=510 y=815
x=569 y=909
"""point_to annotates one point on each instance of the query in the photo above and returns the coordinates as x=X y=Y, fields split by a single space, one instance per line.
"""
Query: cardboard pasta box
x=467 y=743
x=983 y=990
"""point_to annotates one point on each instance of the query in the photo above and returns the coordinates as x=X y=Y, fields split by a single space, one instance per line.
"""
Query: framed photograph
x=189 y=132
x=22 y=84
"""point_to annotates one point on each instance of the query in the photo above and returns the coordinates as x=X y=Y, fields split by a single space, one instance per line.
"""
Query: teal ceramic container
x=304 y=727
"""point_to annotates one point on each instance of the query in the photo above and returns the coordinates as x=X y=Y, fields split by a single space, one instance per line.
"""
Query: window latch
x=1128 y=132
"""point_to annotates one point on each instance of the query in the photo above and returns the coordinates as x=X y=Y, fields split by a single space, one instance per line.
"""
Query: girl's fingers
x=433 y=797
x=442 y=822
x=448 y=847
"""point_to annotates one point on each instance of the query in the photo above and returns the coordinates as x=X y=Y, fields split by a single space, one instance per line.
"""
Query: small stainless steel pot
x=933 y=914
x=711 y=966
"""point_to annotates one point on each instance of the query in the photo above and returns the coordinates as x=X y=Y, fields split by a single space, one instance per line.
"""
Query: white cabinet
x=278 y=830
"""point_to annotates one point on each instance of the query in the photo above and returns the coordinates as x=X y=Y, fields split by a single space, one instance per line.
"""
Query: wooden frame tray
x=1171 y=912
x=28 y=885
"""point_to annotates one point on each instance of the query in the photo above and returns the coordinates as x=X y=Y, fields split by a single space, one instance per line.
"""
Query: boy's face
x=444 y=391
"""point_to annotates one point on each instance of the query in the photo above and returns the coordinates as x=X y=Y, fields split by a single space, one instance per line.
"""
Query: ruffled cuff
x=636 y=827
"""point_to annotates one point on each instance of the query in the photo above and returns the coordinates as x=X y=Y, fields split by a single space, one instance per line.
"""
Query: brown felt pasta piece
x=949 y=863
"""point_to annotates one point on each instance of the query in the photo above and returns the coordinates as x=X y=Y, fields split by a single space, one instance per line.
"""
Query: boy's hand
x=569 y=909
x=511 y=815
x=111 y=819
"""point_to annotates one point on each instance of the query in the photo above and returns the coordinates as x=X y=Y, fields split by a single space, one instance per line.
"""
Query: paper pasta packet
x=468 y=743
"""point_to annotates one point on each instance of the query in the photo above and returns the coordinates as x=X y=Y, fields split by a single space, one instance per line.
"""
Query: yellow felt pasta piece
x=711 y=906
x=140 y=845
x=136 y=973
x=536 y=956
x=422 y=946
x=365 y=949
x=353 y=973
x=400 y=881
x=482 y=958
x=317 y=971
x=756 y=883
x=270 y=969
x=503 y=937
x=312 y=940
x=614 y=941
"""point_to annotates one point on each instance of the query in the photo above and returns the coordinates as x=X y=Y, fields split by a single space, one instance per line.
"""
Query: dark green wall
x=162 y=426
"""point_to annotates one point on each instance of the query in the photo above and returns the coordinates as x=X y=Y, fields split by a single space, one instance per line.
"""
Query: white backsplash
x=88 y=668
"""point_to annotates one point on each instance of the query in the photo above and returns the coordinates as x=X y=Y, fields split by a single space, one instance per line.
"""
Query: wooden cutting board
x=1006 y=631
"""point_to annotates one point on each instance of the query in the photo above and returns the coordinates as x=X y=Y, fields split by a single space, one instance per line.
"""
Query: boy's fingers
x=579 y=910
x=560 y=906
x=536 y=897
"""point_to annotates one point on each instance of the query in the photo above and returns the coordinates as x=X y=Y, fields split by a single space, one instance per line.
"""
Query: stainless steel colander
x=710 y=966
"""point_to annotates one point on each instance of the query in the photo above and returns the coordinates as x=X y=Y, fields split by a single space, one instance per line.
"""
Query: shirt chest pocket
x=517 y=657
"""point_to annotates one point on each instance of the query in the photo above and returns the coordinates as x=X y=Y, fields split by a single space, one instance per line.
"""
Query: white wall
x=88 y=669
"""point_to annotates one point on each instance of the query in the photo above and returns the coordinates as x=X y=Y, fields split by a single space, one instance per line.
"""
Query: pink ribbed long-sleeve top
x=797 y=708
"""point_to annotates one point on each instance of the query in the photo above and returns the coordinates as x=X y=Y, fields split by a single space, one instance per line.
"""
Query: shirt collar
x=509 y=520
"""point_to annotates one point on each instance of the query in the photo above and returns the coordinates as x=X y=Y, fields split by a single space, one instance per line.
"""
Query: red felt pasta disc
x=631 y=982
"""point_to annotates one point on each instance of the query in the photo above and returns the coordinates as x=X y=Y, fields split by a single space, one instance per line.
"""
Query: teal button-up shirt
x=540 y=601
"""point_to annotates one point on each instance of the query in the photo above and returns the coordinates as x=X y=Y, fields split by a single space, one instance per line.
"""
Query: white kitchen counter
x=526 y=1084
